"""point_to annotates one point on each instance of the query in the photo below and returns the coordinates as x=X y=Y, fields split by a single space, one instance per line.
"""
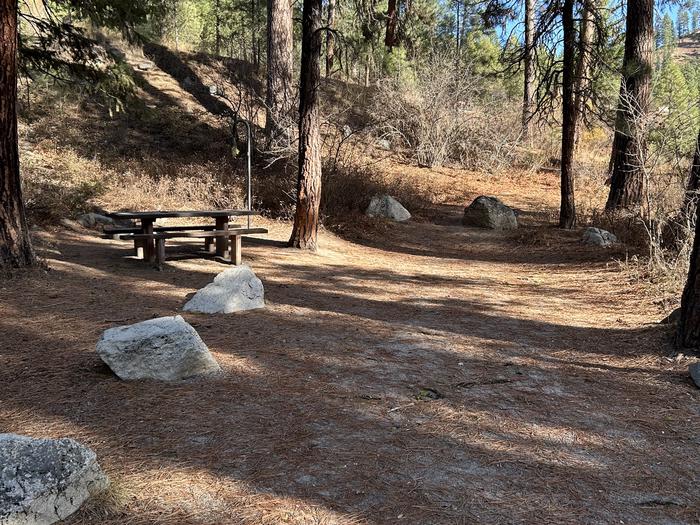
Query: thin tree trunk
x=391 y=23
x=583 y=64
x=629 y=146
x=15 y=246
x=458 y=32
x=253 y=36
x=694 y=179
x=306 y=218
x=279 y=98
x=567 y=214
x=330 y=39
x=217 y=21
x=529 y=66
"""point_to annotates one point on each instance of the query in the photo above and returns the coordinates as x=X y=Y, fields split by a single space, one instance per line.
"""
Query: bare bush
x=662 y=225
x=447 y=114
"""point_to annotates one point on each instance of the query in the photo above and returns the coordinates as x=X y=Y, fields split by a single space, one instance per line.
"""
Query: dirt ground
x=559 y=400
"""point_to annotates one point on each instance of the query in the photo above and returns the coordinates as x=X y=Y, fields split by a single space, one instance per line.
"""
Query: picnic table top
x=163 y=214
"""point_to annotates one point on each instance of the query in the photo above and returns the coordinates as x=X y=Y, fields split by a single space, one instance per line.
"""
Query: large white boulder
x=388 y=207
x=598 y=237
x=489 y=212
x=233 y=290
x=43 y=481
x=167 y=348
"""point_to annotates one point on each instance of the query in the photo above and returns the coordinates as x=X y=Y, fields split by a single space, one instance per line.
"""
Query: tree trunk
x=279 y=99
x=391 y=23
x=567 y=214
x=529 y=66
x=583 y=64
x=15 y=246
x=629 y=145
x=690 y=200
x=253 y=33
x=306 y=218
x=688 y=335
x=217 y=22
x=458 y=33
x=330 y=39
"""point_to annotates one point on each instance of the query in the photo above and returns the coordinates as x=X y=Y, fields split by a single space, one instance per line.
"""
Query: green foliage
x=667 y=36
x=683 y=22
x=675 y=100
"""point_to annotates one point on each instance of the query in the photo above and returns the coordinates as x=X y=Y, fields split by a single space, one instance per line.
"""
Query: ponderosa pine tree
x=306 y=217
x=330 y=38
x=567 y=213
x=15 y=245
x=529 y=65
x=392 y=20
x=683 y=22
x=279 y=97
x=585 y=41
x=629 y=144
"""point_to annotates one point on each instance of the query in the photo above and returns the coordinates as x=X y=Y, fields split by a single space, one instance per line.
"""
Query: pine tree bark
x=279 y=98
x=15 y=246
x=306 y=218
x=330 y=39
x=585 y=40
x=529 y=66
x=391 y=23
x=217 y=28
x=691 y=190
x=629 y=144
x=567 y=213
x=688 y=335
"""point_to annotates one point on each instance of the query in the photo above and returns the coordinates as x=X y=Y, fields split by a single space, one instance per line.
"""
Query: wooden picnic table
x=148 y=218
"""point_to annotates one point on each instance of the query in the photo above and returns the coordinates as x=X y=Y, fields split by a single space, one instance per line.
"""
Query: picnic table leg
x=148 y=248
x=236 y=250
x=160 y=253
x=209 y=245
x=138 y=248
x=222 y=242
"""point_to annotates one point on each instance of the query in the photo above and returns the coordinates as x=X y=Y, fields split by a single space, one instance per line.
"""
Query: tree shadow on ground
x=318 y=405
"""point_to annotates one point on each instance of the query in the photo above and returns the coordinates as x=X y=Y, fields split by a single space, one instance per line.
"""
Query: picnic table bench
x=149 y=239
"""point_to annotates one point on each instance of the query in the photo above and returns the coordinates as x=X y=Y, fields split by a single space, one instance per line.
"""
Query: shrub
x=448 y=114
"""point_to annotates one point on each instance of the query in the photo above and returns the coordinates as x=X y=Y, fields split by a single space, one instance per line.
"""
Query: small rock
x=388 y=207
x=43 y=481
x=116 y=52
x=347 y=131
x=489 y=212
x=166 y=348
x=233 y=290
x=384 y=144
x=598 y=237
x=145 y=66
x=71 y=225
x=694 y=370
x=95 y=220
